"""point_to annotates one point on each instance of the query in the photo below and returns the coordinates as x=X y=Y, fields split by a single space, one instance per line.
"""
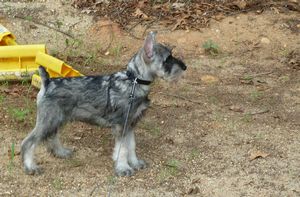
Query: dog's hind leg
x=48 y=120
x=56 y=148
x=133 y=160
x=27 y=151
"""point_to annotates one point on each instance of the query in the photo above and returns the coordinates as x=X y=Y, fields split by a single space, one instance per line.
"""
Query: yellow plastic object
x=6 y=38
x=55 y=68
x=36 y=81
x=18 y=62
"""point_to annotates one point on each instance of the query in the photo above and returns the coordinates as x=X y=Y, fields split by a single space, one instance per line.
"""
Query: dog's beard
x=174 y=77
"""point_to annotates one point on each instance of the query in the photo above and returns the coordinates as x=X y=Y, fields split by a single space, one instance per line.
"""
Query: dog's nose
x=181 y=65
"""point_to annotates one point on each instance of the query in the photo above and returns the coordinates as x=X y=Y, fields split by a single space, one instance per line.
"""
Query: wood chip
x=258 y=154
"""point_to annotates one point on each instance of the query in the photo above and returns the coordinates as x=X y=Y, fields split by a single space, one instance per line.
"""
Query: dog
x=100 y=100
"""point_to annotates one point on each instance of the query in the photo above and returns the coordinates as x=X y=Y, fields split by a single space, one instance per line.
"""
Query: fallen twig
x=94 y=189
x=136 y=24
x=181 y=97
x=261 y=74
x=259 y=112
x=45 y=25
x=257 y=74
x=131 y=34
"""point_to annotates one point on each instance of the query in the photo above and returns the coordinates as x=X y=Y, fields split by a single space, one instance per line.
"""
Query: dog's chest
x=139 y=107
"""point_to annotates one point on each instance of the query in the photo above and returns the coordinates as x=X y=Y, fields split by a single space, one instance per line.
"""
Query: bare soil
x=230 y=127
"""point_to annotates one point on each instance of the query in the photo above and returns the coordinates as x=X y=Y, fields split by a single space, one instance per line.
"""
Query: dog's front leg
x=121 y=152
x=133 y=160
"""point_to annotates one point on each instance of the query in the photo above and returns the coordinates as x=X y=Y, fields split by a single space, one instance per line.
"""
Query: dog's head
x=158 y=58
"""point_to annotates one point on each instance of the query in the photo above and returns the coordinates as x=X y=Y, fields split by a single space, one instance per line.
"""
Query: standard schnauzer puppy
x=100 y=100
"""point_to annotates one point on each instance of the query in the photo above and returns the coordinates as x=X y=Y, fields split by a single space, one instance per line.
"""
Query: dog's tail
x=44 y=76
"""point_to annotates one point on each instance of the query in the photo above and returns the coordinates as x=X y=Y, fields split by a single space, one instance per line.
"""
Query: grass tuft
x=210 y=47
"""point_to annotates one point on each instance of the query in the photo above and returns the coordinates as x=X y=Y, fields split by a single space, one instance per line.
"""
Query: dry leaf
x=178 y=5
x=258 y=154
x=265 y=40
x=241 y=4
x=15 y=91
x=180 y=22
x=236 y=108
x=219 y=17
x=275 y=10
x=177 y=24
x=142 y=4
x=248 y=82
x=138 y=13
x=209 y=79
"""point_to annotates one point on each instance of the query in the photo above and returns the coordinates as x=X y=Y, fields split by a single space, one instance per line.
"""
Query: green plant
x=152 y=128
x=4 y=83
x=27 y=99
x=73 y=162
x=222 y=62
x=76 y=43
x=25 y=82
x=12 y=157
x=104 y=140
x=112 y=180
x=116 y=50
x=211 y=47
x=247 y=118
x=258 y=136
x=91 y=58
x=171 y=169
x=18 y=113
x=29 y=18
x=217 y=116
x=163 y=175
x=59 y=24
x=213 y=99
x=2 y=97
x=12 y=151
x=247 y=78
x=285 y=52
x=57 y=184
x=194 y=154
x=256 y=95
x=284 y=78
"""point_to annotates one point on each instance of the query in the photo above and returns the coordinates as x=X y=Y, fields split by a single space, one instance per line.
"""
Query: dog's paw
x=138 y=164
x=124 y=171
x=33 y=170
x=63 y=153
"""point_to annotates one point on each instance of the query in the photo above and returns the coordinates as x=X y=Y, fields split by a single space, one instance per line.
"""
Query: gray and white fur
x=100 y=100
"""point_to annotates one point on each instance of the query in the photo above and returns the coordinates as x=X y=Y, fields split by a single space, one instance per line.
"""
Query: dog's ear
x=149 y=45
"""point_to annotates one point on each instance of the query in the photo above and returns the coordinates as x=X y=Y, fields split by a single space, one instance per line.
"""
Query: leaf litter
x=175 y=14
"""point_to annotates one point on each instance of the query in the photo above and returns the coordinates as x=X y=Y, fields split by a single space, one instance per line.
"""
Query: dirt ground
x=230 y=127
